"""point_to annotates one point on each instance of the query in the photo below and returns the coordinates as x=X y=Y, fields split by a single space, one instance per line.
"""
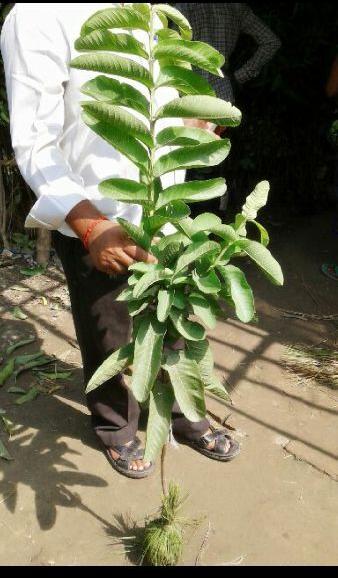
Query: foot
x=137 y=465
x=215 y=444
x=211 y=445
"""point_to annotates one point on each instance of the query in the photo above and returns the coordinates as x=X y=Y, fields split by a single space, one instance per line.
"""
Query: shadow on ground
x=43 y=459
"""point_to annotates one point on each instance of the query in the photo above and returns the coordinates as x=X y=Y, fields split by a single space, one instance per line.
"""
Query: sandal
x=219 y=452
x=127 y=454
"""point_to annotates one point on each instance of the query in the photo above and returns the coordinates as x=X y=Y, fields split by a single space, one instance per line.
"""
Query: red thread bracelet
x=85 y=238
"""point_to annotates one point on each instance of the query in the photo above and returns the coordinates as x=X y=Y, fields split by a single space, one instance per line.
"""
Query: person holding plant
x=63 y=161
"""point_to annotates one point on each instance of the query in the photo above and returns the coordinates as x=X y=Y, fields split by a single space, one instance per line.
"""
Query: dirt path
x=277 y=503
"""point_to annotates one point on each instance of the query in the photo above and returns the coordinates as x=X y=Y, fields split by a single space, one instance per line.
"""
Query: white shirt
x=60 y=158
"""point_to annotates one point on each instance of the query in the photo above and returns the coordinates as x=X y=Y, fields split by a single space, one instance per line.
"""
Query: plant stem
x=163 y=476
x=152 y=96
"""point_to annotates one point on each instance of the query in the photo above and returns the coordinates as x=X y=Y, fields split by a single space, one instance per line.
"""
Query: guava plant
x=194 y=276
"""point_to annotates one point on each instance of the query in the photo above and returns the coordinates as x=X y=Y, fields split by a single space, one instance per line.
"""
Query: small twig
x=306 y=316
x=307 y=288
x=73 y=343
x=163 y=476
x=203 y=545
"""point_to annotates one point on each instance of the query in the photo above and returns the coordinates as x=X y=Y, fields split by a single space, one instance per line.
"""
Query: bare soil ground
x=276 y=504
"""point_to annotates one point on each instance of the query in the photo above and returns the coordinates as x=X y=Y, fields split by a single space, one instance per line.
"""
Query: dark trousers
x=102 y=326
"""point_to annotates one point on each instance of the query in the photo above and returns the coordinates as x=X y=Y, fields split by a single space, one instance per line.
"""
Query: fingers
x=124 y=259
x=111 y=264
x=139 y=254
x=118 y=268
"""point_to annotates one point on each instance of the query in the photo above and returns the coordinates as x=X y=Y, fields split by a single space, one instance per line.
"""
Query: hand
x=110 y=248
x=197 y=123
x=112 y=251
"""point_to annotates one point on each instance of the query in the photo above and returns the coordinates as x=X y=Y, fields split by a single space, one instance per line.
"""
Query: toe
x=140 y=466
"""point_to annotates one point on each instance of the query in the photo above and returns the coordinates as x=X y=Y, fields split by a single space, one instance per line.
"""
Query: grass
x=313 y=363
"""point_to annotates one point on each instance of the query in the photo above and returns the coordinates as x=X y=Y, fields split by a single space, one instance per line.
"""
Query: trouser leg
x=102 y=326
x=185 y=428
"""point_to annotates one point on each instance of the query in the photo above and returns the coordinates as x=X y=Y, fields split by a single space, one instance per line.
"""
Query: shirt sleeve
x=268 y=44
x=36 y=56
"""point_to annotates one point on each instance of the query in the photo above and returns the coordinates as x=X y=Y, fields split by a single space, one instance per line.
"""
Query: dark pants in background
x=102 y=326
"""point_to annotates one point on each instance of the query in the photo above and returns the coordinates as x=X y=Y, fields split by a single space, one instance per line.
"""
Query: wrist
x=90 y=229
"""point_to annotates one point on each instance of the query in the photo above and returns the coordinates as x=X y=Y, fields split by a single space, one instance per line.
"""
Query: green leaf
x=124 y=143
x=106 y=40
x=188 y=387
x=255 y=201
x=141 y=267
x=31 y=394
x=196 y=53
x=147 y=357
x=200 y=352
x=35 y=362
x=127 y=294
x=113 y=64
x=192 y=192
x=7 y=371
x=180 y=299
x=180 y=280
x=195 y=251
x=175 y=16
x=19 y=314
x=107 y=89
x=116 y=363
x=136 y=233
x=171 y=213
x=263 y=258
x=165 y=301
x=125 y=191
x=15 y=389
x=225 y=232
x=150 y=279
x=120 y=119
x=188 y=329
x=240 y=292
x=183 y=135
x=173 y=238
x=164 y=62
x=184 y=81
x=204 y=155
x=265 y=239
x=202 y=107
x=168 y=256
x=33 y=271
x=165 y=33
x=136 y=307
x=160 y=407
x=4 y=453
x=185 y=227
x=18 y=344
x=205 y=222
x=118 y=17
x=143 y=8
x=208 y=284
x=9 y=427
x=202 y=308
x=28 y=357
